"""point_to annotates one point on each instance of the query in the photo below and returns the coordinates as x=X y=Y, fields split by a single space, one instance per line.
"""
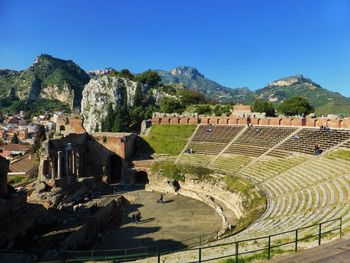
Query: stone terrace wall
x=277 y=121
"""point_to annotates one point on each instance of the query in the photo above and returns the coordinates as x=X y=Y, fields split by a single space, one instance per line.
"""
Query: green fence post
x=200 y=255
x=340 y=227
x=236 y=253
x=319 y=233
x=158 y=253
x=296 y=240
x=269 y=248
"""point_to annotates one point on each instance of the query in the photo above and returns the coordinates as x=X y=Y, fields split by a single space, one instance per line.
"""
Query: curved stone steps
x=325 y=190
x=230 y=163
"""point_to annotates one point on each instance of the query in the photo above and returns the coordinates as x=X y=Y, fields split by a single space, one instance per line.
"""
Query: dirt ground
x=179 y=220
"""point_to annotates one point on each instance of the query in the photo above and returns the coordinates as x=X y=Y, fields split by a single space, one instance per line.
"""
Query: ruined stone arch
x=115 y=167
x=141 y=177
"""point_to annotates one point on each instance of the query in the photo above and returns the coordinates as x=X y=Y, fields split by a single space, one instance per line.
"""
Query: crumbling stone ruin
x=71 y=203
x=4 y=167
x=63 y=161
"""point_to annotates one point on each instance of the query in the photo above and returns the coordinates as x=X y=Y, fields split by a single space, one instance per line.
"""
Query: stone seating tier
x=211 y=148
x=230 y=163
x=264 y=136
x=306 y=139
x=252 y=151
x=218 y=133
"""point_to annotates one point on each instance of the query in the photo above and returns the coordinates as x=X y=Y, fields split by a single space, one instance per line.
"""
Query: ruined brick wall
x=70 y=124
x=236 y=120
x=122 y=145
x=76 y=125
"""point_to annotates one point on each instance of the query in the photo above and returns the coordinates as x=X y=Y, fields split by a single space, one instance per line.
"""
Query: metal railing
x=265 y=245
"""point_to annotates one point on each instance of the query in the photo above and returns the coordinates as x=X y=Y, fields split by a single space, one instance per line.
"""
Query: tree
x=40 y=136
x=97 y=128
x=295 y=106
x=149 y=77
x=121 y=120
x=189 y=97
x=125 y=73
x=14 y=139
x=260 y=105
x=170 y=105
x=108 y=121
x=138 y=99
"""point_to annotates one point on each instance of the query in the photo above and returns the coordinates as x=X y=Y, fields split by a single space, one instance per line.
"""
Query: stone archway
x=141 y=177
x=115 y=168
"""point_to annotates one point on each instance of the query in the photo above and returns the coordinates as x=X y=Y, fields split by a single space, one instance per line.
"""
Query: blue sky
x=236 y=43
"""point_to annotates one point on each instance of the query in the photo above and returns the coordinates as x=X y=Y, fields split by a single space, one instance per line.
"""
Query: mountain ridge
x=324 y=100
x=54 y=78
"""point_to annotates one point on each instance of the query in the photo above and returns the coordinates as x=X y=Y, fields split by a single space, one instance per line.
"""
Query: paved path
x=337 y=251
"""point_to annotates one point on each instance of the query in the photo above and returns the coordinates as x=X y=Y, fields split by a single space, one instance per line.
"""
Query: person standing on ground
x=160 y=200
x=138 y=217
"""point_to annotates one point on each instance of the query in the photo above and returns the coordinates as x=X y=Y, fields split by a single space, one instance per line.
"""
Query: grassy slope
x=254 y=204
x=169 y=139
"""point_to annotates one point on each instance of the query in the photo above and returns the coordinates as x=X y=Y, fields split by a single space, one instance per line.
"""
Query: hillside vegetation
x=32 y=107
x=323 y=100
x=48 y=77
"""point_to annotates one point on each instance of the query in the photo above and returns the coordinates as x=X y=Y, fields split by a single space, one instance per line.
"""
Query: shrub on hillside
x=179 y=171
x=169 y=170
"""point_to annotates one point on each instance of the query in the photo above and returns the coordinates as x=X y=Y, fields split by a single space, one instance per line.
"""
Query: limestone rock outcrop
x=47 y=78
x=102 y=91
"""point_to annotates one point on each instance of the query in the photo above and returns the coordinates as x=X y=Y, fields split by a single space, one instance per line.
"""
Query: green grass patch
x=238 y=184
x=168 y=139
x=257 y=256
x=339 y=154
x=179 y=171
x=17 y=179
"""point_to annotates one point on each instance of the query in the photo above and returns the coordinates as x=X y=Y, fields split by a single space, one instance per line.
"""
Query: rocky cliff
x=102 y=91
x=48 y=78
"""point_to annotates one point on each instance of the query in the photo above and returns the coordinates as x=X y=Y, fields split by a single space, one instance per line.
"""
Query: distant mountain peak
x=290 y=80
x=186 y=70
x=49 y=78
x=42 y=57
x=191 y=78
